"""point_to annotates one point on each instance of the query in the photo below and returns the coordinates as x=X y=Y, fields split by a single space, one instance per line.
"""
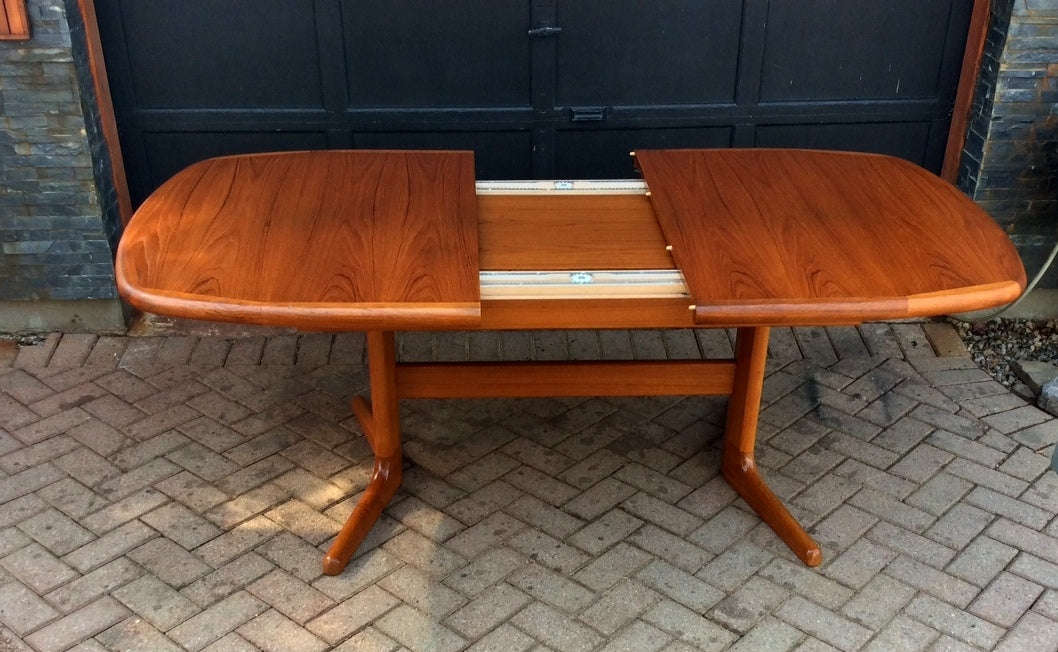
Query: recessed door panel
x=630 y=52
x=605 y=153
x=855 y=50
x=426 y=53
x=207 y=54
x=907 y=140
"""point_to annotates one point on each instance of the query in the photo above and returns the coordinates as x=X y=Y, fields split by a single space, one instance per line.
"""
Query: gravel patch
x=994 y=345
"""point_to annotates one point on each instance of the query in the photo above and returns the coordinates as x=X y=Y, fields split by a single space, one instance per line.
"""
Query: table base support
x=381 y=427
x=379 y=420
x=739 y=465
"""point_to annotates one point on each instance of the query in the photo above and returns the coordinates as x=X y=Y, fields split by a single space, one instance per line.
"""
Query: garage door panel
x=907 y=140
x=858 y=49
x=186 y=54
x=629 y=52
x=424 y=53
x=497 y=154
x=604 y=153
x=537 y=88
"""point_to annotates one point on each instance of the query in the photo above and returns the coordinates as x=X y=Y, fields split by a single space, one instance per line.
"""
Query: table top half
x=395 y=240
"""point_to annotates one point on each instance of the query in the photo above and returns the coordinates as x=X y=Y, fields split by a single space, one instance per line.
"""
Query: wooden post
x=381 y=425
x=739 y=464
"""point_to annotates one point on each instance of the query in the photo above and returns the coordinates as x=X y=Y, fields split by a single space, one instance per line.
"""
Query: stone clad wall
x=1011 y=162
x=54 y=245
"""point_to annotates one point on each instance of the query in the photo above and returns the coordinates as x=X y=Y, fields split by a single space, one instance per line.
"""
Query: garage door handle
x=544 y=30
x=587 y=113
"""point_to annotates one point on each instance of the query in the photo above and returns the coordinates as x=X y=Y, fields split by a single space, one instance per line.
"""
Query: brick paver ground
x=176 y=492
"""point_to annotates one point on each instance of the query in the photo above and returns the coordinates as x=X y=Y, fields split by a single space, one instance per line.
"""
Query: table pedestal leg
x=739 y=465
x=381 y=427
x=380 y=423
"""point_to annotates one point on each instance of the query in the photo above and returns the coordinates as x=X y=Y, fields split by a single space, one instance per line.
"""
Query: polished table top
x=351 y=239
x=368 y=239
x=799 y=237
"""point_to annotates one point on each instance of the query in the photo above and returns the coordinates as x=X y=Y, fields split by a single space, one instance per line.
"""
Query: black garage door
x=538 y=88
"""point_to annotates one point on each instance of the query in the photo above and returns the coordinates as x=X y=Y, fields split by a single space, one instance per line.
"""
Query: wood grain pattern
x=323 y=240
x=579 y=378
x=592 y=314
x=797 y=237
x=380 y=421
x=739 y=462
x=570 y=232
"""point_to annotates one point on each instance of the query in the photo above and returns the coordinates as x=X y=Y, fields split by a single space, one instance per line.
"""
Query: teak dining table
x=390 y=241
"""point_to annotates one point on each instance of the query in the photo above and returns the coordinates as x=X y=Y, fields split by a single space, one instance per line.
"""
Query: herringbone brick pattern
x=177 y=493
